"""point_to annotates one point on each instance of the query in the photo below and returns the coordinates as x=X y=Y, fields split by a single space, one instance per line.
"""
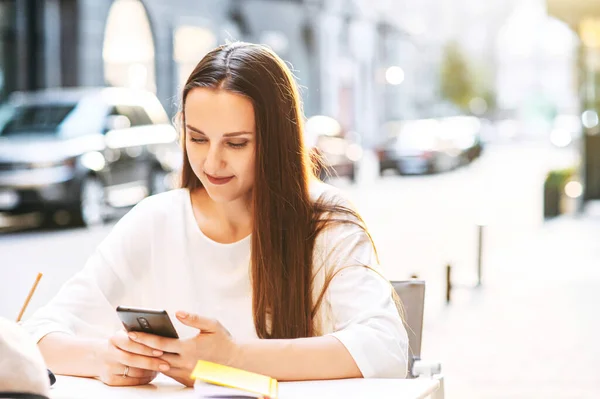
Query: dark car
x=337 y=152
x=418 y=147
x=465 y=131
x=71 y=155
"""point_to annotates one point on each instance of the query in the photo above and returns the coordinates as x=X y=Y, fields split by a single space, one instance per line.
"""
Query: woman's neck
x=222 y=222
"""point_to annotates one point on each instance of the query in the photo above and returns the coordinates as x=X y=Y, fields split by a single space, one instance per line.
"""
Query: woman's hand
x=213 y=343
x=124 y=362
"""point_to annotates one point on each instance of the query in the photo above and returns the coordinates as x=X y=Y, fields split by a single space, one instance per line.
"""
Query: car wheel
x=158 y=181
x=91 y=210
x=433 y=167
x=352 y=175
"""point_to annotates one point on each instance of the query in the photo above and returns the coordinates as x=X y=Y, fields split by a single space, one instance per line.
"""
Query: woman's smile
x=218 y=180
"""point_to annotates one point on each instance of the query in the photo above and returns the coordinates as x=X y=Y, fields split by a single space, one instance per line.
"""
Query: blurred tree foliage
x=462 y=81
x=456 y=83
x=484 y=87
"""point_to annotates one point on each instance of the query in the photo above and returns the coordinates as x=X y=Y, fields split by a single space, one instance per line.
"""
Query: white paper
x=205 y=390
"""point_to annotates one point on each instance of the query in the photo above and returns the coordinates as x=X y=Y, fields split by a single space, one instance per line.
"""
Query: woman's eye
x=193 y=140
x=237 y=145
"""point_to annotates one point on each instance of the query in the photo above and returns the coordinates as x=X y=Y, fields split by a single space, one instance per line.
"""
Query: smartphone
x=151 y=321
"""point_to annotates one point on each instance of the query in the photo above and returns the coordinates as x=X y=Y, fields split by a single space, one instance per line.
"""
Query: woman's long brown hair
x=286 y=221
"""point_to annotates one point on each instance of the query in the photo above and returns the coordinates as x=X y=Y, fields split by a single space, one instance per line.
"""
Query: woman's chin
x=223 y=195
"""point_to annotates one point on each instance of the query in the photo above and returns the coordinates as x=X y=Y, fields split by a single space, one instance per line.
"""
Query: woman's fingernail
x=132 y=335
x=182 y=315
x=157 y=353
x=163 y=367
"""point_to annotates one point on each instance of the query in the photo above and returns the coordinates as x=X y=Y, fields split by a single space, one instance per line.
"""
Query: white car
x=70 y=155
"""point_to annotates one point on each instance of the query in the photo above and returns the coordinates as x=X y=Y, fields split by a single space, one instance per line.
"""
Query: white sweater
x=157 y=257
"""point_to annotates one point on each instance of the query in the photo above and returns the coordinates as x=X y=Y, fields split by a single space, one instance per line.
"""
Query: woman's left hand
x=213 y=343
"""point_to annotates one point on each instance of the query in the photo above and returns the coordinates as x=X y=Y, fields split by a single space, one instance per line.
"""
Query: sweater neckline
x=192 y=218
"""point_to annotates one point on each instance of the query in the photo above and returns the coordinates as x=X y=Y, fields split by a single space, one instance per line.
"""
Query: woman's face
x=220 y=142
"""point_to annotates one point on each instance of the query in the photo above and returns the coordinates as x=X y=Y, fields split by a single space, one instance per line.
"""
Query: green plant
x=559 y=177
x=554 y=186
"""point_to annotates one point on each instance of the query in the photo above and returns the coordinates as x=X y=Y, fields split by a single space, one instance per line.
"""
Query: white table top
x=76 y=388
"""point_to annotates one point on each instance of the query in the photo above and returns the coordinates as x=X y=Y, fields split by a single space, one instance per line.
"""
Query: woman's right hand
x=124 y=362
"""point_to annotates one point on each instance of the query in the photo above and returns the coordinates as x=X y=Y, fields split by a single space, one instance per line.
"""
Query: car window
x=155 y=111
x=416 y=136
x=415 y=139
x=6 y=113
x=143 y=117
x=34 y=118
x=136 y=114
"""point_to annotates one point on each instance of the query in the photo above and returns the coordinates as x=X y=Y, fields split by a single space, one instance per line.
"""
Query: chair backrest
x=412 y=295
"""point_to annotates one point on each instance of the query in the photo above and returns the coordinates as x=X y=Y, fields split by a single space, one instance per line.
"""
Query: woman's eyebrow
x=232 y=134
x=193 y=129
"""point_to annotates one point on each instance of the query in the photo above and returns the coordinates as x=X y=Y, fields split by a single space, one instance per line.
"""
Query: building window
x=8 y=53
x=191 y=43
x=128 y=51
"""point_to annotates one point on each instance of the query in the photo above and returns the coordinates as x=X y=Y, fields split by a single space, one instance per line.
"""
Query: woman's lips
x=218 y=180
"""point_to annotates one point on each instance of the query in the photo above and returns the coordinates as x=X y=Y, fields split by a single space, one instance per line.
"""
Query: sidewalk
x=533 y=329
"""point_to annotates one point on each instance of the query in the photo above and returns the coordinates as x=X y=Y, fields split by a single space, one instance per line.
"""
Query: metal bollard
x=480 y=228
x=448 y=282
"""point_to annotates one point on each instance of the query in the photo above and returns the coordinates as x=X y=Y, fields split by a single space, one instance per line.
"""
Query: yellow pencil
x=31 y=291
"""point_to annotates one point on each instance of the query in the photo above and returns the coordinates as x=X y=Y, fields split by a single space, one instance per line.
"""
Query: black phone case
x=151 y=321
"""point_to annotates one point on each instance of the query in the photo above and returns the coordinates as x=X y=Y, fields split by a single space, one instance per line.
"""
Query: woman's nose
x=214 y=161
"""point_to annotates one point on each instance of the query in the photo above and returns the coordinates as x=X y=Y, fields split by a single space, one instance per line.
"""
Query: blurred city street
x=466 y=133
x=527 y=332
x=419 y=223
x=531 y=331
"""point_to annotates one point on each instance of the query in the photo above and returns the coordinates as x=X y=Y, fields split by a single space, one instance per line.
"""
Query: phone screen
x=151 y=321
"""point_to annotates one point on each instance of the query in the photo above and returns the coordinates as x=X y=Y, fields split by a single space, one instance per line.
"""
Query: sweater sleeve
x=85 y=304
x=364 y=315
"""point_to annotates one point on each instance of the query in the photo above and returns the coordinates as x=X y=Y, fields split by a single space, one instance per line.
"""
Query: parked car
x=566 y=130
x=417 y=147
x=465 y=131
x=337 y=153
x=72 y=154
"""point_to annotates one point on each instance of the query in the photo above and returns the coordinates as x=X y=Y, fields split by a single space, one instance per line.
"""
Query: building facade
x=583 y=17
x=150 y=44
x=340 y=50
x=333 y=46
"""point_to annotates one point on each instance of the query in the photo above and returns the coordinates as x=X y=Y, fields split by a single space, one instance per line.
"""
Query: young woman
x=266 y=268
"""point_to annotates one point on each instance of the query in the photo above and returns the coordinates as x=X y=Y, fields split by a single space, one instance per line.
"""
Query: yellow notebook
x=215 y=380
